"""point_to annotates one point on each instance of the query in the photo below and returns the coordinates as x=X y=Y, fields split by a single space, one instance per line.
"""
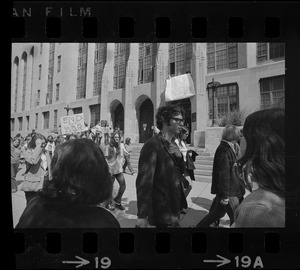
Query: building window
x=121 y=58
x=27 y=122
x=50 y=74
x=57 y=92
x=46 y=119
x=147 y=59
x=221 y=56
x=20 y=123
x=272 y=92
x=226 y=99
x=36 y=120
x=81 y=70
x=12 y=124
x=180 y=57
x=55 y=119
x=270 y=51
x=24 y=59
x=40 y=72
x=95 y=114
x=38 y=97
x=16 y=67
x=77 y=110
x=59 y=63
x=99 y=62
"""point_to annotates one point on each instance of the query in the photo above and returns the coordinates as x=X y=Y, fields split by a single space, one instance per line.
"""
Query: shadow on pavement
x=132 y=208
x=202 y=202
x=192 y=217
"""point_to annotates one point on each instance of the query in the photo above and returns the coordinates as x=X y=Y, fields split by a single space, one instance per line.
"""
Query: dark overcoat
x=160 y=195
x=224 y=183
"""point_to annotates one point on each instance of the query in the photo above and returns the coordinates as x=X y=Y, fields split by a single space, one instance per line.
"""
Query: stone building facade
x=124 y=83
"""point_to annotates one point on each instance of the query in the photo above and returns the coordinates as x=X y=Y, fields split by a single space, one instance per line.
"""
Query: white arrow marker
x=80 y=263
x=221 y=262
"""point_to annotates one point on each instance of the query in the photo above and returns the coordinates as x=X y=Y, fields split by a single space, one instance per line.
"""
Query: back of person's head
x=231 y=133
x=127 y=140
x=165 y=113
x=80 y=174
x=265 y=148
x=32 y=144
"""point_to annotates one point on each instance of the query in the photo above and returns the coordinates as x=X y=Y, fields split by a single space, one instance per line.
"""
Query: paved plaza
x=199 y=201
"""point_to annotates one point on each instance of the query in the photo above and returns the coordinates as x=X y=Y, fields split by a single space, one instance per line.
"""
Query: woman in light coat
x=37 y=160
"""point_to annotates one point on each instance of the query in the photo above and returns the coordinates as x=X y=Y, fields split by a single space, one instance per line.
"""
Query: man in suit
x=160 y=193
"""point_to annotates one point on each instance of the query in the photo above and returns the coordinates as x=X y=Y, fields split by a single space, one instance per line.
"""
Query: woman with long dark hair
x=261 y=169
x=80 y=182
x=114 y=154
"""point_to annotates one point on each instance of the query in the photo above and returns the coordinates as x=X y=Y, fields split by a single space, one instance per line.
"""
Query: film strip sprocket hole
x=163 y=242
x=162 y=27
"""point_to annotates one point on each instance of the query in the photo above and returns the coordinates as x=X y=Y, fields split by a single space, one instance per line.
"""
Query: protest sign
x=72 y=124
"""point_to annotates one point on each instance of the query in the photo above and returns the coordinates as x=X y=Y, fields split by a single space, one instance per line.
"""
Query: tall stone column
x=130 y=121
x=161 y=74
x=90 y=70
x=201 y=95
x=107 y=84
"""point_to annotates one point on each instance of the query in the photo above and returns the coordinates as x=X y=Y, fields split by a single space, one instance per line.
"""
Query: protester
x=262 y=169
x=115 y=159
x=25 y=143
x=50 y=147
x=72 y=136
x=127 y=152
x=98 y=137
x=181 y=142
x=106 y=133
x=159 y=188
x=121 y=133
x=36 y=161
x=229 y=192
x=80 y=181
x=83 y=135
x=15 y=154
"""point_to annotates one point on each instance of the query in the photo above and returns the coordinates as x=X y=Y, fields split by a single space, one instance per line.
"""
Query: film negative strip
x=241 y=34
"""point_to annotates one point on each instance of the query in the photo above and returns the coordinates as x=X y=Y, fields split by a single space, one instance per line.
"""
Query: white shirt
x=182 y=147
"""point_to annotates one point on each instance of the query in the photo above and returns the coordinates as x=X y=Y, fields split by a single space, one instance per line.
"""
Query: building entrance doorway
x=118 y=117
x=186 y=104
x=146 y=126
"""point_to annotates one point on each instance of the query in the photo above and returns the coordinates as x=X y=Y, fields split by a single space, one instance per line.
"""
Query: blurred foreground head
x=80 y=174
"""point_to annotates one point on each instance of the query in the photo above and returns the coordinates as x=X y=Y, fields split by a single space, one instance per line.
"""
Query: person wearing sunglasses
x=160 y=193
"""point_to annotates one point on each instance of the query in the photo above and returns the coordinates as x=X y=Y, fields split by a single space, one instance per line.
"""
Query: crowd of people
x=68 y=179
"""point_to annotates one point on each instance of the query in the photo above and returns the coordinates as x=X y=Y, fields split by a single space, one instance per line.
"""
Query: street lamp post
x=213 y=85
x=67 y=108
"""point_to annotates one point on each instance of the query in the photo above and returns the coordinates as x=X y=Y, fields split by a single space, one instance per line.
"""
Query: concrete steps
x=203 y=162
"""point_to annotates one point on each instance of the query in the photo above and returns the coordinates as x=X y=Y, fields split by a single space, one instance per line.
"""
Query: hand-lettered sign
x=72 y=123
